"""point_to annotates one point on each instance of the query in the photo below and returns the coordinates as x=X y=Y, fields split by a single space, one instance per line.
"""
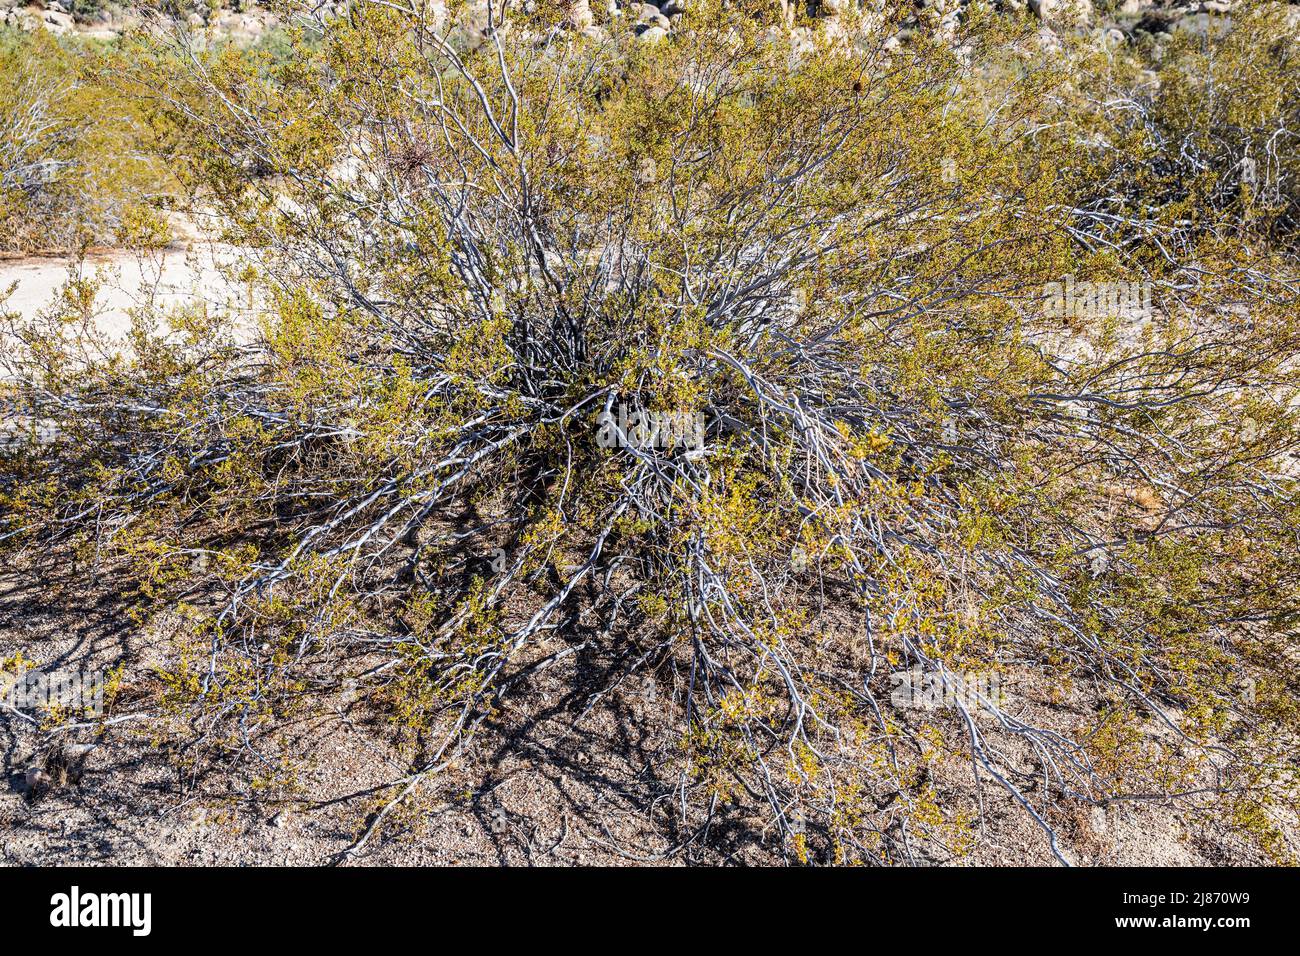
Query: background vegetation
x=76 y=167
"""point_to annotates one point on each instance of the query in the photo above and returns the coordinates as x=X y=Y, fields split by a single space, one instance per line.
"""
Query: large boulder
x=58 y=22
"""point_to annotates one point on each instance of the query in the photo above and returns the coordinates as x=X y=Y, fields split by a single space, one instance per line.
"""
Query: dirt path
x=168 y=278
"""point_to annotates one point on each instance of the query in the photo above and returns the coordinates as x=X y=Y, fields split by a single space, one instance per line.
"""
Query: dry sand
x=179 y=275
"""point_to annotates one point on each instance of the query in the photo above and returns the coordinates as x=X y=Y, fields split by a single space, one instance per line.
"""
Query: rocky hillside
x=243 y=21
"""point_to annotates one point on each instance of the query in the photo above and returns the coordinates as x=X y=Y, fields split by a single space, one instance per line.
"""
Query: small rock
x=649 y=13
x=579 y=15
x=1062 y=11
x=1048 y=41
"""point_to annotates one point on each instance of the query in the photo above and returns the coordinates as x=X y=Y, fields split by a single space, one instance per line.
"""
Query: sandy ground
x=549 y=783
x=185 y=274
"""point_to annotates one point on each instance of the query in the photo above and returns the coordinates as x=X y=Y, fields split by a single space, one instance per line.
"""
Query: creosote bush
x=75 y=169
x=476 y=256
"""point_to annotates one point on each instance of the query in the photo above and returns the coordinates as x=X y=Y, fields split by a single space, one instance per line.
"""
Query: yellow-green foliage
x=75 y=168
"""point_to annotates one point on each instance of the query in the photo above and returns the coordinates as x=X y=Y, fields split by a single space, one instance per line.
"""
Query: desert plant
x=1194 y=135
x=73 y=168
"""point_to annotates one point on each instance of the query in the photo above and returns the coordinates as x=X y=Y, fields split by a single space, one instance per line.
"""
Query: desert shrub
x=1196 y=135
x=488 y=265
x=73 y=170
x=86 y=11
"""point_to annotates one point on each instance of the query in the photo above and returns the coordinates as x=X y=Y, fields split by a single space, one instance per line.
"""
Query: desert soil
x=549 y=783
x=187 y=274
